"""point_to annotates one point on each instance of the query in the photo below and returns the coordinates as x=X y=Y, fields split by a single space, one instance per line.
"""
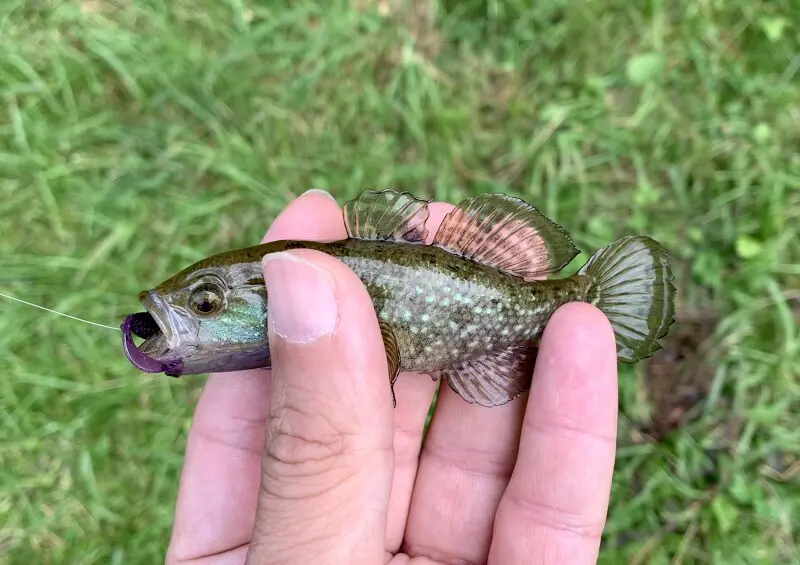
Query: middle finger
x=464 y=469
x=414 y=395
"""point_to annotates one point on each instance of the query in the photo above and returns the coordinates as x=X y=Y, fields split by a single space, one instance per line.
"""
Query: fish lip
x=141 y=360
x=138 y=358
x=156 y=307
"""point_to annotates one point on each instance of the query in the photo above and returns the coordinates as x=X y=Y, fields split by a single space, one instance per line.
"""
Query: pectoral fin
x=392 y=356
x=495 y=378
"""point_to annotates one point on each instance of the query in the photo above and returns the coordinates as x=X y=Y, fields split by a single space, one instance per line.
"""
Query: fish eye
x=205 y=300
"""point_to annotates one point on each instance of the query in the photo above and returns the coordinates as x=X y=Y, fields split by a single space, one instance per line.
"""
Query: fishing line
x=59 y=313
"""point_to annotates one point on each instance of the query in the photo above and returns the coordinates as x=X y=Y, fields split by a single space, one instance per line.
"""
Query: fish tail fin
x=630 y=282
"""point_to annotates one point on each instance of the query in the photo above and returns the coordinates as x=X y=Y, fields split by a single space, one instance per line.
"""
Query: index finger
x=554 y=508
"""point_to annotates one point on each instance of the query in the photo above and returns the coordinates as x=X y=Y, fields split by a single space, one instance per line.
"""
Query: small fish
x=469 y=308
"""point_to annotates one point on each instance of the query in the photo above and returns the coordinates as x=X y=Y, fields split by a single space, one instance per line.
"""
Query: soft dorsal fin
x=508 y=234
x=386 y=215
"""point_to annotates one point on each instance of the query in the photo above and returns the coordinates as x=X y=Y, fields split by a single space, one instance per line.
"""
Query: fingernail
x=320 y=192
x=301 y=299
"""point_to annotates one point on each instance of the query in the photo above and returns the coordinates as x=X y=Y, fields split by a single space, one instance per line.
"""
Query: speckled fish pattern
x=469 y=307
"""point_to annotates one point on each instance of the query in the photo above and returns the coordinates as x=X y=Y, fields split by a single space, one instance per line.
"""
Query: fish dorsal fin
x=508 y=234
x=495 y=378
x=386 y=215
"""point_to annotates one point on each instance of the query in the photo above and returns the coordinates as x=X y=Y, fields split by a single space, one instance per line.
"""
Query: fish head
x=210 y=317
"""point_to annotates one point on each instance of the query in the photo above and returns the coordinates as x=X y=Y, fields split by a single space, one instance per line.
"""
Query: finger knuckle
x=557 y=518
x=301 y=437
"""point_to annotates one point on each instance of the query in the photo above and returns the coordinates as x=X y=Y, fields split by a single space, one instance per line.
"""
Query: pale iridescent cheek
x=242 y=322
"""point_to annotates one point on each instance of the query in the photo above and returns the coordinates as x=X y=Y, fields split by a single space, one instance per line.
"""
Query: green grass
x=136 y=137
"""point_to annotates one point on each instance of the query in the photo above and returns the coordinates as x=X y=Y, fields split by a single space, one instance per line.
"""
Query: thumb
x=328 y=460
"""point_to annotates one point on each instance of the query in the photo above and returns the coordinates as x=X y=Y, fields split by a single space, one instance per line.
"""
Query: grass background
x=137 y=137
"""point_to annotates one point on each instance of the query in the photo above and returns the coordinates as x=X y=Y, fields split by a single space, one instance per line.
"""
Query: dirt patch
x=414 y=15
x=678 y=377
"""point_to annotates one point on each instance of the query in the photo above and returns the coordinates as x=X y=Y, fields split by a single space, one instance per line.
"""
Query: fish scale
x=468 y=308
x=451 y=313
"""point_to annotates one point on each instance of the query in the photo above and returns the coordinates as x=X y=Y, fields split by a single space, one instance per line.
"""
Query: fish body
x=470 y=307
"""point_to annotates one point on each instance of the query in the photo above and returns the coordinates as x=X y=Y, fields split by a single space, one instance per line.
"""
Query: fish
x=469 y=308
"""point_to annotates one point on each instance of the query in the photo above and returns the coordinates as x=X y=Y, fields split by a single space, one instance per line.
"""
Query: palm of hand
x=527 y=482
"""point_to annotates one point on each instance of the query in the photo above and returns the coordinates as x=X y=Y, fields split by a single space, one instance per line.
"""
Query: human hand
x=309 y=463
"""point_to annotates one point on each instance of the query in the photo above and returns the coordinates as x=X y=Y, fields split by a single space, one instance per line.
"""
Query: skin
x=310 y=463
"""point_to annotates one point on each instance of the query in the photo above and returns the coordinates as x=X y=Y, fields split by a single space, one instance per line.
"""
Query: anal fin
x=495 y=378
x=392 y=356
x=386 y=215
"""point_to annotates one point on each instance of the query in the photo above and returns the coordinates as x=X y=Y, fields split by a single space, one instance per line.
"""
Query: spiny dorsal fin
x=386 y=215
x=495 y=378
x=508 y=234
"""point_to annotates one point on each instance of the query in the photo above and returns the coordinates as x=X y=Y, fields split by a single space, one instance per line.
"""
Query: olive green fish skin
x=454 y=308
x=466 y=308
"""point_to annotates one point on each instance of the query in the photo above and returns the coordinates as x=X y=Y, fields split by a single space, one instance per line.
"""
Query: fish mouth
x=154 y=355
